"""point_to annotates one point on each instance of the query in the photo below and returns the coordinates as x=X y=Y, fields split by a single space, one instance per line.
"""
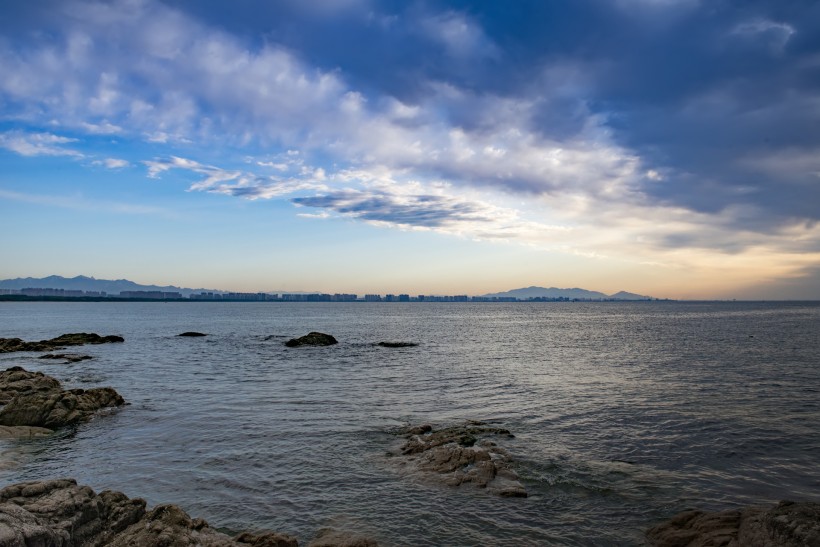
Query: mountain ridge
x=571 y=293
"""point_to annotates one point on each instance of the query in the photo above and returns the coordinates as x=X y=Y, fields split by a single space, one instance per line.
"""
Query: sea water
x=623 y=413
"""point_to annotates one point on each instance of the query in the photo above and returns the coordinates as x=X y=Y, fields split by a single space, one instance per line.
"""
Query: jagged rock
x=459 y=455
x=397 y=344
x=17 y=380
x=786 y=524
x=8 y=345
x=312 y=339
x=330 y=537
x=192 y=334
x=23 y=432
x=69 y=357
x=60 y=513
x=52 y=409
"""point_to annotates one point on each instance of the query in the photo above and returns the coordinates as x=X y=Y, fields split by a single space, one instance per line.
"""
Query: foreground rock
x=16 y=380
x=61 y=513
x=192 y=334
x=8 y=345
x=786 y=524
x=53 y=409
x=461 y=455
x=312 y=339
x=397 y=344
x=67 y=357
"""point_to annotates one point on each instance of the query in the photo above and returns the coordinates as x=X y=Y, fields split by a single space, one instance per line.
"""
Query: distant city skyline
x=668 y=147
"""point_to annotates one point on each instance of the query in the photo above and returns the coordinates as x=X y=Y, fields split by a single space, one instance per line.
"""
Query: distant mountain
x=83 y=283
x=553 y=292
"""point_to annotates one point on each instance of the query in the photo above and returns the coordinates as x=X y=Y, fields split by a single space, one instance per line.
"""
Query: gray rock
x=53 y=409
x=312 y=339
x=8 y=345
x=462 y=455
x=16 y=380
x=786 y=524
x=60 y=513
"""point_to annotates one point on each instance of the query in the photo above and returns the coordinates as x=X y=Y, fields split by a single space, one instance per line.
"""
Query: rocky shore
x=788 y=524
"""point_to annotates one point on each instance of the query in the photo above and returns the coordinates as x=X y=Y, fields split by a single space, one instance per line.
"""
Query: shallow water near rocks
x=623 y=413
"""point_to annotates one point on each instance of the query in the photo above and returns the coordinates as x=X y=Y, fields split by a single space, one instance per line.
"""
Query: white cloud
x=37 y=144
x=112 y=163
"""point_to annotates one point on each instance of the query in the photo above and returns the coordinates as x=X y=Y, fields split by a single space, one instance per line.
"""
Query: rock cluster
x=461 y=455
x=61 y=513
x=8 y=345
x=312 y=339
x=33 y=399
x=786 y=524
x=396 y=344
x=192 y=334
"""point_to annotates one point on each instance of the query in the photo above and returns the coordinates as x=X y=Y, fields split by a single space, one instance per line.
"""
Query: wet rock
x=786 y=524
x=312 y=339
x=8 y=345
x=68 y=357
x=397 y=344
x=17 y=380
x=61 y=513
x=462 y=455
x=192 y=334
x=23 y=432
x=330 y=537
x=269 y=539
x=53 y=409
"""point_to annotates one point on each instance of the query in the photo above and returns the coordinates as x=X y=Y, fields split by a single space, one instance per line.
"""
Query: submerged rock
x=312 y=339
x=68 y=357
x=330 y=537
x=16 y=380
x=23 y=432
x=786 y=524
x=192 y=334
x=461 y=455
x=56 y=408
x=61 y=513
x=397 y=344
x=8 y=345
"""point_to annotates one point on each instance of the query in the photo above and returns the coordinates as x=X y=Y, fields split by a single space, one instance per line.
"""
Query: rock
x=192 y=334
x=17 y=380
x=69 y=357
x=312 y=339
x=8 y=345
x=52 y=409
x=460 y=455
x=786 y=524
x=269 y=539
x=61 y=513
x=23 y=432
x=397 y=344
x=330 y=537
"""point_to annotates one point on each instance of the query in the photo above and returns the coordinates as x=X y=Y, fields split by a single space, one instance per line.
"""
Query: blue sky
x=667 y=147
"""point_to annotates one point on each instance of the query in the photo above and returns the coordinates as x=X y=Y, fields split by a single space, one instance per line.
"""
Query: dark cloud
x=417 y=210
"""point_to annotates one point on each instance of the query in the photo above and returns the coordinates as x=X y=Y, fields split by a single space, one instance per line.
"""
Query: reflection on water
x=623 y=413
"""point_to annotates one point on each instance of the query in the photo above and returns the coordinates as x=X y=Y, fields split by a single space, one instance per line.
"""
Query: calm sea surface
x=624 y=414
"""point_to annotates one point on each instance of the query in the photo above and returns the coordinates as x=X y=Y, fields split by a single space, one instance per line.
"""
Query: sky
x=663 y=147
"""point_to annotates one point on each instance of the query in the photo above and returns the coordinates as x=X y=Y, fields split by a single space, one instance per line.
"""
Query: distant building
x=372 y=298
x=151 y=295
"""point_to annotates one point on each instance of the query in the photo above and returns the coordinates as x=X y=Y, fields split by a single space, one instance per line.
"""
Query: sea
x=624 y=414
